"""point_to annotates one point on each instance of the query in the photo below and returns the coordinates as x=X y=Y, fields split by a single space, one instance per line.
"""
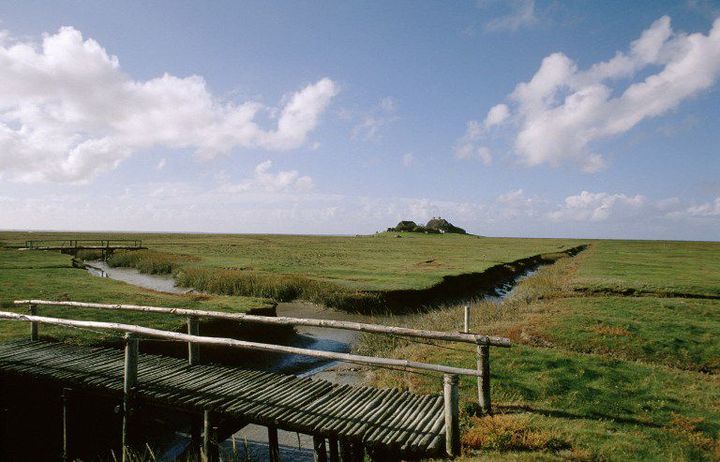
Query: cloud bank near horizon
x=69 y=112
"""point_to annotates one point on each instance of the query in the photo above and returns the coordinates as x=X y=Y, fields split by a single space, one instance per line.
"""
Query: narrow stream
x=252 y=440
x=315 y=338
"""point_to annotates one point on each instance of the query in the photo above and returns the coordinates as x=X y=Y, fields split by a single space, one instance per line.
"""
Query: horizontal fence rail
x=233 y=343
x=74 y=243
x=289 y=321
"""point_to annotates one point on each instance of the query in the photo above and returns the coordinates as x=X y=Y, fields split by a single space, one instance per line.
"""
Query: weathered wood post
x=129 y=384
x=193 y=325
x=483 y=382
x=319 y=448
x=273 y=445
x=32 y=310
x=452 y=415
x=467 y=319
x=210 y=442
x=66 y=421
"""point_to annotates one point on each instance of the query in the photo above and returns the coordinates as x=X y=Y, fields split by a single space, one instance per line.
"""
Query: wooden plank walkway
x=386 y=419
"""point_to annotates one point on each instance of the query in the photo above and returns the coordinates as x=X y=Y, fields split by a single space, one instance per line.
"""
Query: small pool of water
x=158 y=282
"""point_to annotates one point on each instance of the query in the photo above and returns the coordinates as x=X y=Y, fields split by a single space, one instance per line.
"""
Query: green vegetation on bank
x=50 y=275
x=663 y=268
x=368 y=263
x=591 y=376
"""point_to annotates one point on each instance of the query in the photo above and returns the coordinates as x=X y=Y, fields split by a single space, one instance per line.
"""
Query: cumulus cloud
x=588 y=206
x=68 y=111
x=266 y=181
x=562 y=110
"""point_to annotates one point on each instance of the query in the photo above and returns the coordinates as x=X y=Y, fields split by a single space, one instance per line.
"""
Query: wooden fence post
x=483 y=381
x=452 y=415
x=129 y=384
x=193 y=325
x=32 y=310
x=467 y=319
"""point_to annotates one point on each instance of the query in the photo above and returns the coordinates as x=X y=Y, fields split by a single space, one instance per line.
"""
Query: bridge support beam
x=129 y=384
x=210 y=438
x=319 y=448
x=483 y=382
x=334 y=453
x=452 y=415
x=273 y=444
x=66 y=424
x=345 y=451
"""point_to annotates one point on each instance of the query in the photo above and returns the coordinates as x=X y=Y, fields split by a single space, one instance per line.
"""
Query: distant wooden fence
x=83 y=243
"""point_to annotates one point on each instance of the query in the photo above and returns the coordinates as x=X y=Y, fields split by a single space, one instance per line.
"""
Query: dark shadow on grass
x=515 y=409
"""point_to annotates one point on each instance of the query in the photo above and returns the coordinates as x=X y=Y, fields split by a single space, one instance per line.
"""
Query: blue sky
x=520 y=118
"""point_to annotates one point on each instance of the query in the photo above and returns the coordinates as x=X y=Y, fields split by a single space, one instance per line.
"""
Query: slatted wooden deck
x=377 y=418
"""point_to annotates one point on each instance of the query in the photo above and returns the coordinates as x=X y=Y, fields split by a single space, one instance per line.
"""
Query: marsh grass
x=150 y=261
x=280 y=287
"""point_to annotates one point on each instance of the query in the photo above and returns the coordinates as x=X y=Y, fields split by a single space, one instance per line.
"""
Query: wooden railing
x=194 y=339
x=483 y=342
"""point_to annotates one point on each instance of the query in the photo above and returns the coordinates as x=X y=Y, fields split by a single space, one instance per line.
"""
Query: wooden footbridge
x=345 y=421
x=73 y=246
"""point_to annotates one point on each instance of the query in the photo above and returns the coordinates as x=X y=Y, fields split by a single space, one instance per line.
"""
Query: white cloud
x=467 y=146
x=265 y=181
x=496 y=115
x=521 y=14
x=68 y=111
x=708 y=209
x=562 y=110
x=408 y=159
x=602 y=206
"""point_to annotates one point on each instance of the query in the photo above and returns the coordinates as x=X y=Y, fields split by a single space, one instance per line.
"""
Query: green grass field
x=592 y=375
x=616 y=354
x=340 y=271
x=376 y=262
x=50 y=275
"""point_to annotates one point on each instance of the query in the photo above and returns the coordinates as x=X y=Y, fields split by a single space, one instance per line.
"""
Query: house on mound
x=434 y=226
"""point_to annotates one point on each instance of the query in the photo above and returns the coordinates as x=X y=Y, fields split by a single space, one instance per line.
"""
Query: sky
x=508 y=118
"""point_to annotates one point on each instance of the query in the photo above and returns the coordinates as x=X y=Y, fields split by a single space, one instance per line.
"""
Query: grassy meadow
x=50 y=275
x=340 y=271
x=596 y=373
